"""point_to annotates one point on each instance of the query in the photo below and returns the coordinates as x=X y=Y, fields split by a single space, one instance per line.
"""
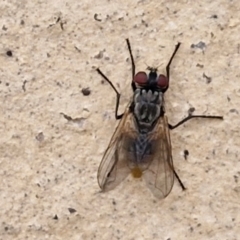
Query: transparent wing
x=159 y=175
x=114 y=168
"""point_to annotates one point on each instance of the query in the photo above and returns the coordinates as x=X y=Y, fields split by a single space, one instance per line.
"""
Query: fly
x=141 y=143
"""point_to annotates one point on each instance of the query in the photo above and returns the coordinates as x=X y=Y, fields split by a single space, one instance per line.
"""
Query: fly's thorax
x=147 y=107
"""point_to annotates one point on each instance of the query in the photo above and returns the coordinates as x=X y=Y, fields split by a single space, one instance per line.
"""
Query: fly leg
x=116 y=91
x=179 y=180
x=180 y=123
x=133 y=64
x=113 y=87
x=170 y=61
x=193 y=116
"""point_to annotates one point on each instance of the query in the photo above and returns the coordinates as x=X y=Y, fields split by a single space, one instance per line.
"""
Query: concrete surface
x=48 y=163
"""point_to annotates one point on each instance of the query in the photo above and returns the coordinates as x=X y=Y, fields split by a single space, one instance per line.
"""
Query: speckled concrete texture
x=53 y=136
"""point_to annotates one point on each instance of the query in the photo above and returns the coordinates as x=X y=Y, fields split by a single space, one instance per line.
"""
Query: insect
x=141 y=143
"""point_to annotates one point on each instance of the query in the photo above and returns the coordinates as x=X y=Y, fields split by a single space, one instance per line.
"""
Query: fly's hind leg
x=179 y=180
x=193 y=116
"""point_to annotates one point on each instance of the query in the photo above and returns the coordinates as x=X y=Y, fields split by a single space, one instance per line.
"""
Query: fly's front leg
x=117 y=93
x=133 y=64
x=193 y=116
x=170 y=61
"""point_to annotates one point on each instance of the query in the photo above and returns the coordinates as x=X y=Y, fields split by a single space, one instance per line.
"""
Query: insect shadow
x=141 y=143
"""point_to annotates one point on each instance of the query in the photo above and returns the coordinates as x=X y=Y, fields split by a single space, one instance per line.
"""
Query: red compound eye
x=140 y=78
x=162 y=81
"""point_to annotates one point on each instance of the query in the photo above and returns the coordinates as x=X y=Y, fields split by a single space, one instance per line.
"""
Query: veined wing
x=114 y=167
x=159 y=175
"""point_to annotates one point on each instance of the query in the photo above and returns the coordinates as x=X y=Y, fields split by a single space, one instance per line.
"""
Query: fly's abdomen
x=140 y=152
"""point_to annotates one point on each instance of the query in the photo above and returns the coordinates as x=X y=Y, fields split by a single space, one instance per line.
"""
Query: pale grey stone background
x=49 y=164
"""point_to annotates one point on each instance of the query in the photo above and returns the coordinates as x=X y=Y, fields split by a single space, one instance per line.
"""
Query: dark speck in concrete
x=191 y=111
x=86 y=91
x=208 y=79
x=40 y=137
x=72 y=210
x=9 y=53
x=200 y=45
x=96 y=17
x=24 y=86
x=186 y=153
x=200 y=65
x=99 y=55
x=233 y=111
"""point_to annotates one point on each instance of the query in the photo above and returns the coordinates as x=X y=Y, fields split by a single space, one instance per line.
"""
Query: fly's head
x=148 y=98
x=151 y=81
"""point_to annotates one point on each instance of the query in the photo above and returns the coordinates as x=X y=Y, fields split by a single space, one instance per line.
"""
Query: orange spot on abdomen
x=136 y=172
